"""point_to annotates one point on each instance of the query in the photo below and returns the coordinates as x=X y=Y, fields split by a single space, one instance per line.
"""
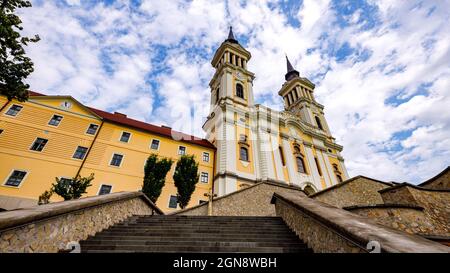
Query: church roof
x=231 y=38
x=291 y=72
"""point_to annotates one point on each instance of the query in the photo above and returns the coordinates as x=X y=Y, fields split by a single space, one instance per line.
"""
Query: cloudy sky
x=381 y=68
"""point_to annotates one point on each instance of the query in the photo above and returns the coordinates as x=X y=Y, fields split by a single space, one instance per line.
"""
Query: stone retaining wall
x=49 y=228
x=251 y=201
x=326 y=228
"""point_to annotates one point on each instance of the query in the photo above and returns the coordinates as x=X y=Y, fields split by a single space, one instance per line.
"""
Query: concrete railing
x=330 y=229
x=49 y=228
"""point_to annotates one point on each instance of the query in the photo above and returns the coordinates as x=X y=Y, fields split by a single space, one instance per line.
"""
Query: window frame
x=202 y=175
x=32 y=144
x=168 y=204
x=112 y=157
x=59 y=123
x=151 y=144
x=302 y=160
x=100 y=188
x=185 y=150
x=121 y=135
x=18 y=112
x=96 y=130
x=247 y=154
x=84 y=156
x=21 y=182
x=319 y=122
x=203 y=157
x=319 y=169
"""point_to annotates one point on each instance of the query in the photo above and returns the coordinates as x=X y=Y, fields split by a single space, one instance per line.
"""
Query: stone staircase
x=196 y=234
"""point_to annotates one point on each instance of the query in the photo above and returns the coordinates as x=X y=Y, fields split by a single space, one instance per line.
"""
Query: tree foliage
x=155 y=172
x=15 y=67
x=185 y=177
x=73 y=188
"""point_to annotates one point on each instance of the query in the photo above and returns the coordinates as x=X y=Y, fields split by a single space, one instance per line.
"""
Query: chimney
x=120 y=114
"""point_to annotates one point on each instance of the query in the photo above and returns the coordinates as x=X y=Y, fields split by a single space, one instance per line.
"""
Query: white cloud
x=110 y=56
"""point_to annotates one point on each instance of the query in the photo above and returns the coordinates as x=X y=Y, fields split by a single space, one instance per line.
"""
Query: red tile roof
x=122 y=119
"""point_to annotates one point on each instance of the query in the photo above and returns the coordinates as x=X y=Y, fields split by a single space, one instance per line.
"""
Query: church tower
x=257 y=144
x=298 y=97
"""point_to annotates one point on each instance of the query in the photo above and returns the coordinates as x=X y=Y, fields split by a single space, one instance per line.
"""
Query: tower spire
x=291 y=72
x=231 y=38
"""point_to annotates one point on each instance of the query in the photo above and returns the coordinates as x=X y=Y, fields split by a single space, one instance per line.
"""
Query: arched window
x=296 y=150
x=300 y=164
x=319 y=124
x=243 y=152
x=309 y=190
x=335 y=167
x=282 y=156
x=239 y=90
x=217 y=96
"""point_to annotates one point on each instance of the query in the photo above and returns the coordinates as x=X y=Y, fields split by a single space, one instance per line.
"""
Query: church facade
x=255 y=143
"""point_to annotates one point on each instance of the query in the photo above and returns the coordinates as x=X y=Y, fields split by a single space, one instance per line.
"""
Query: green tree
x=155 y=172
x=185 y=177
x=73 y=188
x=15 y=66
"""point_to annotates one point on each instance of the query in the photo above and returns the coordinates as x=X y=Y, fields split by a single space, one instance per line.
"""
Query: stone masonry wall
x=436 y=206
x=252 y=201
x=440 y=182
x=360 y=191
x=53 y=234
x=410 y=220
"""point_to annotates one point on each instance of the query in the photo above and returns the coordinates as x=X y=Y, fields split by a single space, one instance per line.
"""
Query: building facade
x=255 y=143
x=56 y=136
x=246 y=143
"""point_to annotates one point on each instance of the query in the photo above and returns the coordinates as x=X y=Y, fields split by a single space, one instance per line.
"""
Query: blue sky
x=381 y=68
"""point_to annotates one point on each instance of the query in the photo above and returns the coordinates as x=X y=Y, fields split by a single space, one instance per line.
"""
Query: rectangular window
x=205 y=157
x=155 y=144
x=15 y=178
x=318 y=167
x=55 y=121
x=204 y=177
x=14 y=110
x=116 y=160
x=80 y=153
x=39 y=144
x=105 y=189
x=125 y=137
x=92 y=129
x=181 y=150
x=173 y=202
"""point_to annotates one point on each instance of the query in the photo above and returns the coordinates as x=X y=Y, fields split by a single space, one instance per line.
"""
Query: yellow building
x=56 y=136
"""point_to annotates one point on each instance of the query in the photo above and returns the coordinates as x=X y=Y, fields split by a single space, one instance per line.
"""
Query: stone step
x=236 y=224
x=277 y=239
x=205 y=235
x=207 y=229
x=192 y=249
x=215 y=243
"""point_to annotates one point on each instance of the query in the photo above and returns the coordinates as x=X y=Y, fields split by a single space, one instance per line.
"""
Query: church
x=256 y=143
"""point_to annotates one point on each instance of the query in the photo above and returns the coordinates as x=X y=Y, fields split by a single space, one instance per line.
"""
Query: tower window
x=239 y=91
x=319 y=124
x=243 y=153
x=39 y=144
x=318 y=166
x=300 y=164
x=14 y=110
x=55 y=121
